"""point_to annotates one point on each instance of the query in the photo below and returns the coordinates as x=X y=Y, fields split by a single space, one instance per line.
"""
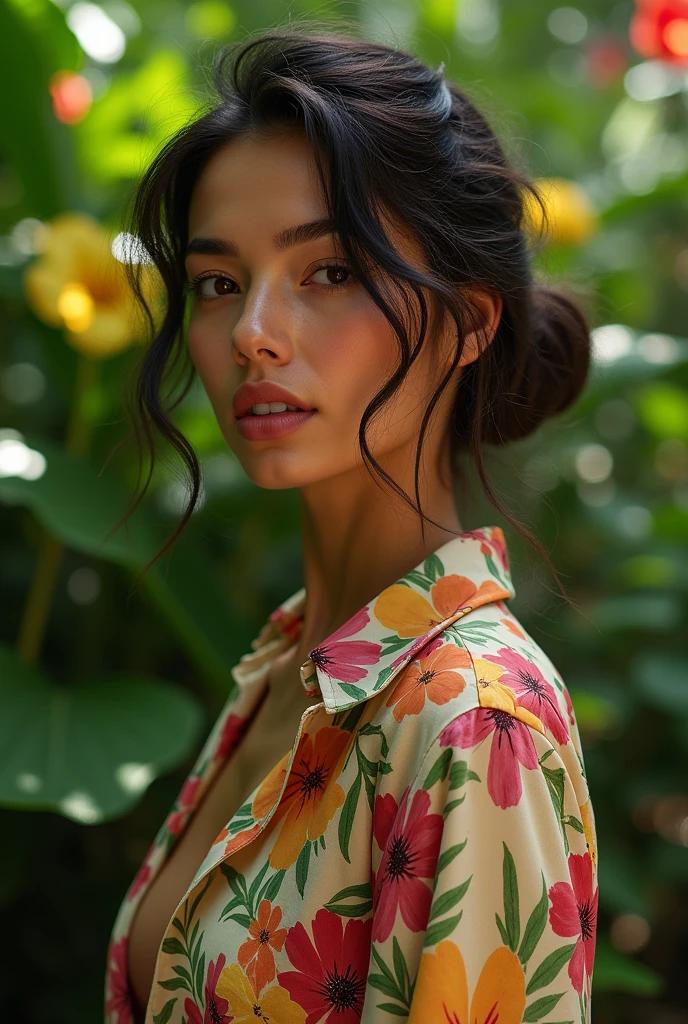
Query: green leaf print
x=302 y=867
x=174 y=983
x=460 y=774
x=396 y=985
x=200 y=975
x=441 y=929
x=502 y=930
x=249 y=899
x=535 y=926
x=438 y=772
x=362 y=893
x=165 y=1013
x=549 y=968
x=448 y=856
x=448 y=900
x=420 y=579
x=540 y=1007
x=173 y=945
x=353 y=691
x=399 y=1011
x=346 y=818
x=433 y=567
x=511 y=912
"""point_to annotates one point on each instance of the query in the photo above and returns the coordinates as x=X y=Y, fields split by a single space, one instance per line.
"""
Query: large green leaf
x=79 y=506
x=88 y=751
x=34 y=43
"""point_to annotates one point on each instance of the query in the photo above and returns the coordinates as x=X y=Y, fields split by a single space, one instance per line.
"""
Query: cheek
x=211 y=354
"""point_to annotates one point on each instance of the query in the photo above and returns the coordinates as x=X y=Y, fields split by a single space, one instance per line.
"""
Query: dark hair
x=389 y=135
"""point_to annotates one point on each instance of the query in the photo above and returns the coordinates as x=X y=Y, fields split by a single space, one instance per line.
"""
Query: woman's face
x=272 y=306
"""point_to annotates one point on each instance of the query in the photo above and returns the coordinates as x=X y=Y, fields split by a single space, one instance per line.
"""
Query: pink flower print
x=411 y=846
x=331 y=971
x=573 y=912
x=531 y=689
x=119 y=1002
x=185 y=803
x=216 y=1008
x=231 y=733
x=512 y=744
x=342 y=659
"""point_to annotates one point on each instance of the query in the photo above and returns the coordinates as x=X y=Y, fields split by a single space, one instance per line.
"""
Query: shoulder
x=483 y=676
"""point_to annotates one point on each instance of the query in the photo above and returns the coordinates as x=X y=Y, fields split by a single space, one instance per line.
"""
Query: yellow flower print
x=441 y=992
x=409 y=614
x=493 y=694
x=588 y=820
x=77 y=284
x=273 y=1007
x=311 y=795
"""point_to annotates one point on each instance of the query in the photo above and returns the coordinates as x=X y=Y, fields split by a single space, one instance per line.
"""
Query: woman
x=390 y=817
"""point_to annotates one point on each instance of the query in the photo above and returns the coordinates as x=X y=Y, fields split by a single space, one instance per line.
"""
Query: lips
x=263 y=394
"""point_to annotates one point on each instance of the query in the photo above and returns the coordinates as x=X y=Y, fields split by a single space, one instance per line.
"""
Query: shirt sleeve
x=485 y=891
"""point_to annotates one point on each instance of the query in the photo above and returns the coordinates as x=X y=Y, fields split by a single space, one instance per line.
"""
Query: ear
x=489 y=307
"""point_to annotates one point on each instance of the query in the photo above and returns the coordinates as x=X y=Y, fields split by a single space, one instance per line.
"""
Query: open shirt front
x=427 y=848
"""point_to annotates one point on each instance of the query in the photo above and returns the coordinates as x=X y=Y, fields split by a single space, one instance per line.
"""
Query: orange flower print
x=441 y=992
x=409 y=614
x=256 y=953
x=311 y=795
x=435 y=676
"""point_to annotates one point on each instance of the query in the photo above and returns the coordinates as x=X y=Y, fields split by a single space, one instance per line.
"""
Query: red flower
x=119 y=1002
x=185 y=803
x=512 y=743
x=331 y=970
x=531 y=689
x=411 y=846
x=659 y=29
x=342 y=659
x=231 y=733
x=216 y=1008
x=141 y=879
x=574 y=912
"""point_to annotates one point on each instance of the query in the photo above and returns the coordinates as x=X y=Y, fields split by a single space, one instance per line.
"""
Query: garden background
x=592 y=101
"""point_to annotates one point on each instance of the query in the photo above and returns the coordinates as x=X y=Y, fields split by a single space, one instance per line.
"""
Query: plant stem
x=50 y=549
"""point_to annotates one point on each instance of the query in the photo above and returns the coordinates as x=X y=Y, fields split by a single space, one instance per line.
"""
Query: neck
x=358 y=538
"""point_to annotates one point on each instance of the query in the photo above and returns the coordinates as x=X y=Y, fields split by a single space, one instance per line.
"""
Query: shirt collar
x=361 y=657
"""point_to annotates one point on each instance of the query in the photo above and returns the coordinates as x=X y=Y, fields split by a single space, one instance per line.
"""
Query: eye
x=335 y=270
x=211 y=286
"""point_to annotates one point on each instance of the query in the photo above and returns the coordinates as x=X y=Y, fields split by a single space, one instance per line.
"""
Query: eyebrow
x=284 y=239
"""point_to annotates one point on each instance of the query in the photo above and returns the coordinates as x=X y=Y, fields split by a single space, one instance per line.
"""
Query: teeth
x=265 y=408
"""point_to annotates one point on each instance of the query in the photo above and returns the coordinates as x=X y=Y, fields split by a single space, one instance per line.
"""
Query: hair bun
x=555 y=370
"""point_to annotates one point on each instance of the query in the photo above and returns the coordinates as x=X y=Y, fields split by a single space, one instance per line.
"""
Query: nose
x=262 y=334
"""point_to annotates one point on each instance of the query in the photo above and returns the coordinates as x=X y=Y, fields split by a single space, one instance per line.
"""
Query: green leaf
x=243 y=919
x=438 y=772
x=441 y=929
x=172 y=984
x=90 y=750
x=384 y=985
x=394 y=1008
x=346 y=818
x=540 y=1007
x=535 y=926
x=173 y=945
x=165 y=1013
x=400 y=968
x=502 y=930
x=449 y=899
x=352 y=892
x=461 y=774
x=549 y=968
x=200 y=974
x=452 y=804
x=185 y=587
x=272 y=887
x=511 y=911
x=256 y=884
x=448 y=856
x=419 y=579
x=353 y=691
x=302 y=867
x=433 y=567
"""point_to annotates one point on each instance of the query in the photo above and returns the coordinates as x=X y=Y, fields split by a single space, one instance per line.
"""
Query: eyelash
x=193 y=286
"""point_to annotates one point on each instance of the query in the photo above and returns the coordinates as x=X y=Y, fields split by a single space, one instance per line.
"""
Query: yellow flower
x=572 y=219
x=274 y=1006
x=589 y=829
x=409 y=614
x=77 y=284
x=493 y=694
x=441 y=992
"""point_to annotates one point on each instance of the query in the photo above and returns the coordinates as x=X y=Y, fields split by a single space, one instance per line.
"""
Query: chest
x=269 y=736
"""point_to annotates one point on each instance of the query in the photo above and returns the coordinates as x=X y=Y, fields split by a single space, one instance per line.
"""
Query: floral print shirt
x=427 y=848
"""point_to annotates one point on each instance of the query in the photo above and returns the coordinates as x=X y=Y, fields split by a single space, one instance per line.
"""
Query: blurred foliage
x=97 y=676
